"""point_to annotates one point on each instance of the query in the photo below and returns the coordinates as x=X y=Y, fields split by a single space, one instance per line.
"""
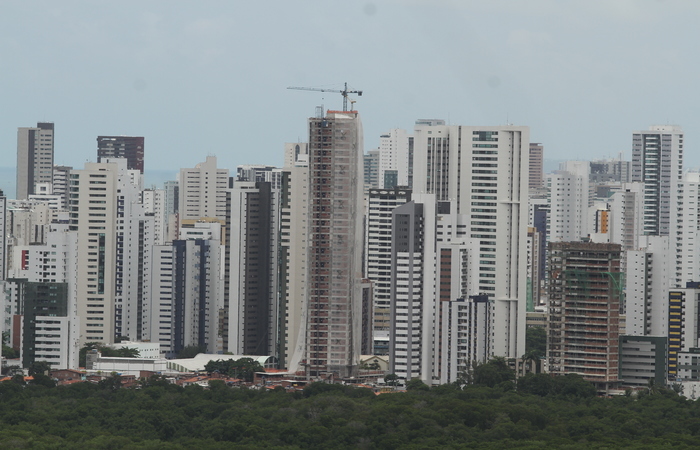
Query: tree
x=536 y=384
x=111 y=383
x=532 y=358
x=39 y=367
x=7 y=351
x=416 y=384
x=536 y=341
x=392 y=379
x=573 y=385
x=493 y=372
x=191 y=351
x=82 y=354
x=125 y=352
x=243 y=368
x=40 y=379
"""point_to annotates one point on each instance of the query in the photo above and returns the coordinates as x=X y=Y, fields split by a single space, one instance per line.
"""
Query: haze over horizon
x=211 y=78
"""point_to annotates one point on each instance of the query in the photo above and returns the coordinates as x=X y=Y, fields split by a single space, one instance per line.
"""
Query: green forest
x=533 y=413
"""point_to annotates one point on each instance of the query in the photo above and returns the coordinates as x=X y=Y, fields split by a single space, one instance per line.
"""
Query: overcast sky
x=210 y=77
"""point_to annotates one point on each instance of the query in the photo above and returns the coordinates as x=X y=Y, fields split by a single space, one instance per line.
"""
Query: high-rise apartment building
x=683 y=326
x=135 y=236
x=411 y=300
x=536 y=173
x=293 y=255
x=129 y=147
x=371 y=169
x=252 y=253
x=93 y=204
x=646 y=300
x=162 y=318
x=484 y=170
x=202 y=191
x=567 y=220
x=657 y=161
x=610 y=170
x=334 y=295
x=394 y=159
x=61 y=176
x=197 y=300
x=437 y=331
x=154 y=203
x=3 y=235
x=378 y=258
x=35 y=147
x=687 y=231
x=261 y=173
x=585 y=290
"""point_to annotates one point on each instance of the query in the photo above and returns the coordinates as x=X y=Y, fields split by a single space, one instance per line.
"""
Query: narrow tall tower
x=657 y=161
x=333 y=298
x=34 y=158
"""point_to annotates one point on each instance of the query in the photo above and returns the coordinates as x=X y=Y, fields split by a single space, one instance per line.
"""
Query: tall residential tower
x=333 y=298
x=34 y=157
x=485 y=171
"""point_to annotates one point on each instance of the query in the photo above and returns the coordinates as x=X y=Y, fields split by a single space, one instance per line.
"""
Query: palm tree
x=531 y=357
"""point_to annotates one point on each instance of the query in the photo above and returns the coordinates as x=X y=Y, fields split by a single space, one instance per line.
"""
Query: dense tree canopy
x=243 y=368
x=536 y=341
x=159 y=415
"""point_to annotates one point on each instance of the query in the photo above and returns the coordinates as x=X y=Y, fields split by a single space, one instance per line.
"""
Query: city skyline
x=188 y=73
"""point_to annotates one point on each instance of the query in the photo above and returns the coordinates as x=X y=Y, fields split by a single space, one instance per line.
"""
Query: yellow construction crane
x=343 y=92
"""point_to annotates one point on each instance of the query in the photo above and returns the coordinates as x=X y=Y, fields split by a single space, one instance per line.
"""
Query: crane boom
x=343 y=92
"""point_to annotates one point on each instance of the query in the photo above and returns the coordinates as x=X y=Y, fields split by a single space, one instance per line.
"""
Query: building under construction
x=585 y=293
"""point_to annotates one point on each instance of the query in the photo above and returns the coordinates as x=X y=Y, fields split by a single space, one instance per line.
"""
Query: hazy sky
x=210 y=77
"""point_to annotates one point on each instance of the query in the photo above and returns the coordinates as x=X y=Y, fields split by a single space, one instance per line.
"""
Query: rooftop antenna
x=343 y=92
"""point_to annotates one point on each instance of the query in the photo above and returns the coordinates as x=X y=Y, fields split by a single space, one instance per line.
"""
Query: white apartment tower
x=135 y=234
x=202 y=191
x=93 y=206
x=434 y=272
x=568 y=202
x=393 y=158
x=154 y=203
x=648 y=275
x=61 y=176
x=50 y=323
x=3 y=235
x=687 y=231
x=378 y=257
x=198 y=294
x=35 y=148
x=485 y=171
x=252 y=304
x=293 y=253
x=657 y=161
x=162 y=319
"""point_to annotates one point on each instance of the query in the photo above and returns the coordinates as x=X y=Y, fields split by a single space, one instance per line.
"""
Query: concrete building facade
x=484 y=170
x=130 y=148
x=35 y=149
x=585 y=290
x=334 y=296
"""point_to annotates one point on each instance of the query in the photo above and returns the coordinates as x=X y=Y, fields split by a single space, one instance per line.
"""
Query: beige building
x=203 y=191
x=93 y=203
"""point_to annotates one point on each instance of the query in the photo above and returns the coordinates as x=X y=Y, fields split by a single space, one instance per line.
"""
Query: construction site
x=585 y=295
